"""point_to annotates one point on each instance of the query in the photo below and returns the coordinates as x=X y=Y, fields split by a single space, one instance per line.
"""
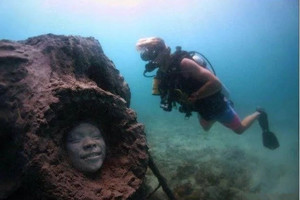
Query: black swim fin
x=270 y=140
x=263 y=119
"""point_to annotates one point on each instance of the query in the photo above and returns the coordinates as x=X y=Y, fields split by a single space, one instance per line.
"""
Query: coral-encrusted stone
x=47 y=85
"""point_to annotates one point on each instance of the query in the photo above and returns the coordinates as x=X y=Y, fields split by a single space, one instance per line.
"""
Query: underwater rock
x=48 y=84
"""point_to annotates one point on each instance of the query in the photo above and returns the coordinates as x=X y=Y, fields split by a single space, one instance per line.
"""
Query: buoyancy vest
x=208 y=107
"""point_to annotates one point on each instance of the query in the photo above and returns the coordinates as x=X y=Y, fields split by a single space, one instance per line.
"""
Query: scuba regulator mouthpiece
x=149 y=67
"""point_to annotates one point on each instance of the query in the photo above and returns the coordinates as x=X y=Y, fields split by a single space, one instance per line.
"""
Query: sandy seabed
x=219 y=164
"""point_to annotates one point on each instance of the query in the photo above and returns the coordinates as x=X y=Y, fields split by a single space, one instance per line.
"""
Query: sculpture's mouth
x=93 y=155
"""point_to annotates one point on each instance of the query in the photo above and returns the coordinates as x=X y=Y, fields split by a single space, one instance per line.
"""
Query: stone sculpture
x=48 y=85
x=86 y=147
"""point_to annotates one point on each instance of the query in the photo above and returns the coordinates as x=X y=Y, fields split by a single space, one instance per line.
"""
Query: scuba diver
x=182 y=79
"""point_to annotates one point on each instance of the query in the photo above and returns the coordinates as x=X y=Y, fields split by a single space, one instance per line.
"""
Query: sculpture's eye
x=97 y=137
x=75 y=137
x=73 y=140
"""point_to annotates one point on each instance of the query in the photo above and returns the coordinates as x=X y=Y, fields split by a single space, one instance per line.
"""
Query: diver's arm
x=191 y=69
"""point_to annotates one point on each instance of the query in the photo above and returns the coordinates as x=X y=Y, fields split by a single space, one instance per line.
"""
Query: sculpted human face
x=86 y=147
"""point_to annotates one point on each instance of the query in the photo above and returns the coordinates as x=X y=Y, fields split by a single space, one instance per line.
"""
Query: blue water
x=252 y=44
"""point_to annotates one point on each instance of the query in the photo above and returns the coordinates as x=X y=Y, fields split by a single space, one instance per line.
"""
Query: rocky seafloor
x=219 y=165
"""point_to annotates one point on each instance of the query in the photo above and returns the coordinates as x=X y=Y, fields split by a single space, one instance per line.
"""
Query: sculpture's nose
x=89 y=143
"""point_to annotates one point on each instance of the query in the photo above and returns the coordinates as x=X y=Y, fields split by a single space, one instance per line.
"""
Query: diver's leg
x=230 y=119
x=206 y=125
x=247 y=122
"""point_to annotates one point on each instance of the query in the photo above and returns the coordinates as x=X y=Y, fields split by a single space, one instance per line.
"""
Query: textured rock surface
x=47 y=85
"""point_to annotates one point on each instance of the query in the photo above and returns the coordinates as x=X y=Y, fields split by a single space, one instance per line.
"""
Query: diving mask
x=148 y=54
